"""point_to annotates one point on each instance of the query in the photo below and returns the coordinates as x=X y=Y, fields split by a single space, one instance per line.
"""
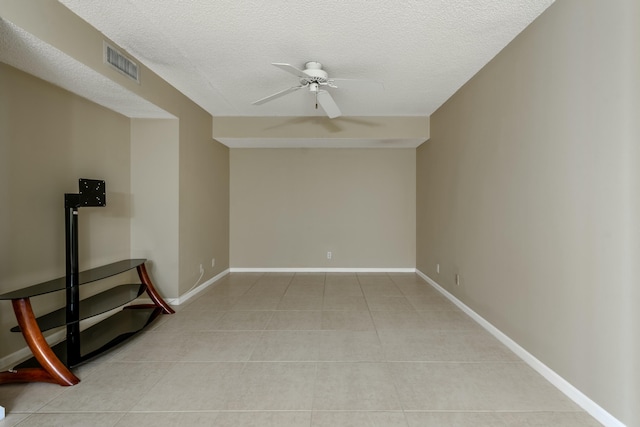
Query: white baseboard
x=560 y=383
x=195 y=291
x=321 y=270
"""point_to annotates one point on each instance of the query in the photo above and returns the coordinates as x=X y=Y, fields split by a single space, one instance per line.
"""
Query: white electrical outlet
x=213 y=262
x=438 y=268
x=329 y=255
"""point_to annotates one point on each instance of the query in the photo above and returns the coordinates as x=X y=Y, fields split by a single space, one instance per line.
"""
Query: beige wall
x=526 y=189
x=49 y=139
x=155 y=200
x=180 y=202
x=289 y=207
x=204 y=202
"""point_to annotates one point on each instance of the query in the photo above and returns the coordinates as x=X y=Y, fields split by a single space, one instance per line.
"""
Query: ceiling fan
x=314 y=78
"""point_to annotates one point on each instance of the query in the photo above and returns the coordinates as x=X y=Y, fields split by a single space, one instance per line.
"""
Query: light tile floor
x=312 y=350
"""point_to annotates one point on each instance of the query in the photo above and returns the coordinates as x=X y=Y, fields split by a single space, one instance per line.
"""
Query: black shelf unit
x=90 y=307
x=102 y=336
x=53 y=363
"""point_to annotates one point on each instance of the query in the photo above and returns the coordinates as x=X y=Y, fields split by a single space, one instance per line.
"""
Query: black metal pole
x=71 y=202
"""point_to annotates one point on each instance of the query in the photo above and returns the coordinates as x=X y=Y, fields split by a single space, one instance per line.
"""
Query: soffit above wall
x=28 y=53
x=319 y=143
x=321 y=132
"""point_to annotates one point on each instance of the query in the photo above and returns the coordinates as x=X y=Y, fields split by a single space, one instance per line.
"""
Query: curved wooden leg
x=151 y=290
x=53 y=370
x=27 y=375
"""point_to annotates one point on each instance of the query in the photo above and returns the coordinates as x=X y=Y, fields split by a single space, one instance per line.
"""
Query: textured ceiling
x=219 y=52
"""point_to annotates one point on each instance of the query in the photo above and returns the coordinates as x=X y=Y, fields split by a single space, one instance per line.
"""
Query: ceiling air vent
x=120 y=62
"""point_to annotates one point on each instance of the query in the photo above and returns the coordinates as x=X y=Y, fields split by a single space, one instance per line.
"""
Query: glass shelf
x=103 y=336
x=87 y=276
x=89 y=307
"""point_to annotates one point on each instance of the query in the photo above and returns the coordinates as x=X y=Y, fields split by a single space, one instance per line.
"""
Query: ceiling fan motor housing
x=315 y=72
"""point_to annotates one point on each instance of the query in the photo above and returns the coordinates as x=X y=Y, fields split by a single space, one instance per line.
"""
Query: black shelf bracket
x=92 y=193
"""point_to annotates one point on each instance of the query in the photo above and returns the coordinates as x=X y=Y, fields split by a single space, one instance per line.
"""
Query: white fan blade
x=328 y=104
x=291 y=69
x=277 y=95
x=355 y=82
